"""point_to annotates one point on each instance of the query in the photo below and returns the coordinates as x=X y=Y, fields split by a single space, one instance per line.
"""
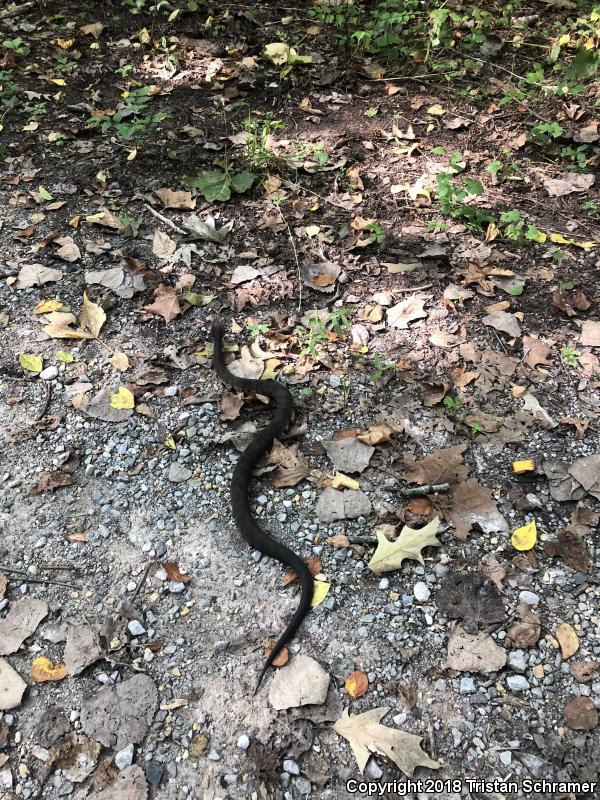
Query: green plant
x=570 y=355
x=257 y=327
x=63 y=64
x=129 y=122
x=16 y=45
x=452 y=403
x=592 y=209
x=381 y=367
x=453 y=200
x=319 y=331
x=476 y=428
x=257 y=148
x=545 y=132
x=514 y=224
x=377 y=235
x=218 y=184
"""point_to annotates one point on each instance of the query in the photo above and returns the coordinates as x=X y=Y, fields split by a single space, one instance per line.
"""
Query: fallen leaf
x=571 y=182
x=342 y=481
x=526 y=632
x=321 y=276
x=525 y=537
x=99 y=407
x=570 y=302
x=30 y=362
x=379 y=433
x=349 y=455
x=178 y=199
x=320 y=592
x=166 y=304
x=36 y=275
x=50 y=481
x=502 y=321
x=580 y=714
x=121 y=714
x=444 y=466
x=120 y=361
x=494 y=570
x=357 y=684
x=123 y=399
x=12 y=686
x=590 y=333
x=400 y=315
x=301 y=682
x=531 y=403
x=472 y=598
x=173 y=573
x=535 y=352
x=471 y=505
x=567 y=639
x=586 y=471
x=474 y=653
x=82 y=647
x=43 y=669
x=292 y=466
x=163 y=246
x=389 y=556
x=570 y=549
x=21 y=621
x=366 y=735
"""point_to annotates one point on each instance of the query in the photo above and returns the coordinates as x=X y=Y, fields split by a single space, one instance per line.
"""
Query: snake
x=245 y=521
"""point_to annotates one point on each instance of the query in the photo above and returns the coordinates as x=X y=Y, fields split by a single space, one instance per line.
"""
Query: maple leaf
x=166 y=304
x=390 y=555
x=366 y=735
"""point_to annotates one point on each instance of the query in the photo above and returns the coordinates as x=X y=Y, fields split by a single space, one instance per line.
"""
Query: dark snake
x=242 y=473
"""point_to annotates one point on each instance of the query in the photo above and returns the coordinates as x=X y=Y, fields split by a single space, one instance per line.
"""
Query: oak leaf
x=166 y=304
x=367 y=735
x=390 y=555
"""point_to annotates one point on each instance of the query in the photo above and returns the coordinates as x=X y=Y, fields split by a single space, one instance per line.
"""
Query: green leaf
x=566 y=286
x=473 y=187
x=31 y=363
x=242 y=181
x=535 y=235
x=583 y=65
x=64 y=356
x=516 y=290
x=44 y=193
x=212 y=185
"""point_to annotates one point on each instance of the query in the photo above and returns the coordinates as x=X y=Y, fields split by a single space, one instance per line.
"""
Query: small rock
x=517 y=683
x=373 y=770
x=154 y=772
x=124 y=757
x=244 y=742
x=517 y=660
x=467 y=685
x=291 y=767
x=506 y=758
x=49 y=373
x=135 y=628
x=178 y=473
x=384 y=583
x=303 y=785
x=421 y=592
x=529 y=598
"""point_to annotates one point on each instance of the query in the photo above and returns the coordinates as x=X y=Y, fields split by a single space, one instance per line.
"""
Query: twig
x=19 y=575
x=428 y=488
x=166 y=220
x=46 y=405
x=8 y=12
x=141 y=581
x=289 y=230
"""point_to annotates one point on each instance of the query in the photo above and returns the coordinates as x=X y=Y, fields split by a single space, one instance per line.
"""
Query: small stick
x=428 y=488
x=141 y=581
x=289 y=230
x=46 y=405
x=166 y=220
x=17 y=9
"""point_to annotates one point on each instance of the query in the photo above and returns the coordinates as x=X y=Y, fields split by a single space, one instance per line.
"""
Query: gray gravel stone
x=124 y=758
x=517 y=683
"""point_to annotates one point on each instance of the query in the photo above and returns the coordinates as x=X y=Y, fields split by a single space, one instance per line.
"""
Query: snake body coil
x=240 y=502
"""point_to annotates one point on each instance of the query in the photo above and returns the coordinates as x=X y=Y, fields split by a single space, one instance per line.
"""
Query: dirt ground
x=444 y=351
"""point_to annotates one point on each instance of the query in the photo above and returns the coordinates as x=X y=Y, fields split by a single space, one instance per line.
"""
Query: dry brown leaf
x=570 y=549
x=405 y=312
x=535 y=351
x=379 y=432
x=179 y=199
x=445 y=466
x=590 y=333
x=173 y=573
x=357 y=684
x=366 y=735
x=292 y=466
x=120 y=361
x=502 y=321
x=494 y=570
x=50 y=481
x=470 y=505
x=314 y=567
x=389 y=556
x=166 y=304
x=474 y=653
x=571 y=182
x=570 y=302
x=230 y=406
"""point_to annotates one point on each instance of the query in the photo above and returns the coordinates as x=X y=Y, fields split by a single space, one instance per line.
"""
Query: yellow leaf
x=320 y=592
x=46 y=306
x=59 y=326
x=170 y=442
x=356 y=684
x=58 y=81
x=341 y=481
x=92 y=317
x=271 y=365
x=31 y=126
x=527 y=465
x=585 y=245
x=43 y=669
x=64 y=356
x=65 y=44
x=123 y=399
x=31 y=363
x=524 y=538
x=390 y=555
x=567 y=639
x=436 y=111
